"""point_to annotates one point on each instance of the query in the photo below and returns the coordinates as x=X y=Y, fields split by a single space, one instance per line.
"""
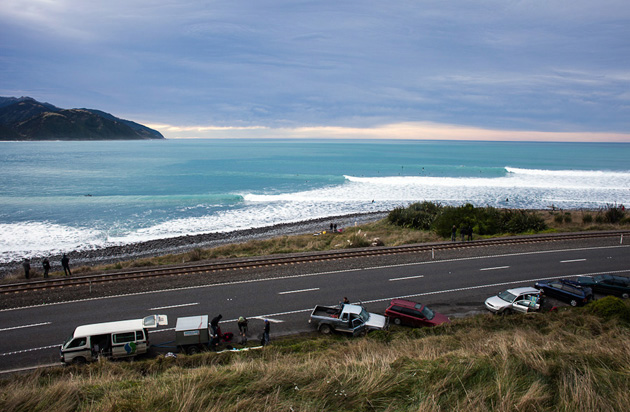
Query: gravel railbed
x=181 y=281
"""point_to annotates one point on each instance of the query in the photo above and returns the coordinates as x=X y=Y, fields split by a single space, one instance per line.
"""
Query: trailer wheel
x=325 y=329
x=192 y=350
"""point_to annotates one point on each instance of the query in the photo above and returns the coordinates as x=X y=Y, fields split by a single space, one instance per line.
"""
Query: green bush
x=558 y=218
x=587 y=218
x=610 y=307
x=567 y=217
x=415 y=216
x=614 y=214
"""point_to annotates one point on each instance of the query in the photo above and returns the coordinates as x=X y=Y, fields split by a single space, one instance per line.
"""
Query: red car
x=407 y=312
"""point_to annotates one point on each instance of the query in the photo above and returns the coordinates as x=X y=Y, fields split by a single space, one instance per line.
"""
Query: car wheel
x=397 y=321
x=625 y=296
x=79 y=360
x=193 y=350
x=325 y=329
x=573 y=302
x=506 y=312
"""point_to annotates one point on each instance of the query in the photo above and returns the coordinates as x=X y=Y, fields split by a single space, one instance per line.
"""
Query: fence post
x=432 y=253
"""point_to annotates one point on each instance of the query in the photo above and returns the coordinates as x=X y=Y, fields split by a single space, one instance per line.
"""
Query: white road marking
x=495 y=268
x=437 y=292
x=297 y=291
x=572 y=260
x=25 y=326
x=241 y=282
x=175 y=306
x=405 y=278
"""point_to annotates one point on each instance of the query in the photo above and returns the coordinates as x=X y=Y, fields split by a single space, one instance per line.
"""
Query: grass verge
x=571 y=360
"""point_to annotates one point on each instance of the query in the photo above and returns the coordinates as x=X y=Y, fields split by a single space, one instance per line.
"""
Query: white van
x=120 y=339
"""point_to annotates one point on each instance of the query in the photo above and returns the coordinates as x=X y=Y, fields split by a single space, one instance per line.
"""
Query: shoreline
x=183 y=244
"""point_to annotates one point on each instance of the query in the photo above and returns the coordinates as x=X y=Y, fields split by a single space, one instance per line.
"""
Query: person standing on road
x=265 y=337
x=242 y=328
x=65 y=264
x=46 y=266
x=27 y=268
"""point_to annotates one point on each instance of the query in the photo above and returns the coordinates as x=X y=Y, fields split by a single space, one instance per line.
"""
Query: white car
x=522 y=300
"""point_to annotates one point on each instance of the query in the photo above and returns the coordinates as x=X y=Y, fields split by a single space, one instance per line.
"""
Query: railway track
x=251 y=263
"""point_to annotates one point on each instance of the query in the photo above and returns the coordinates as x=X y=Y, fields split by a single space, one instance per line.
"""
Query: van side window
x=124 y=337
x=77 y=343
x=139 y=335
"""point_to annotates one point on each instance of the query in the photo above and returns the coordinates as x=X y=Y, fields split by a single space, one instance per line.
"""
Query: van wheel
x=397 y=321
x=325 y=329
x=193 y=350
x=573 y=302
x=79 y=360
x=625 y=295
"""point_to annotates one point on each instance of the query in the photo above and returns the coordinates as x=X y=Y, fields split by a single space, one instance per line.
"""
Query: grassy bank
x=572 y=360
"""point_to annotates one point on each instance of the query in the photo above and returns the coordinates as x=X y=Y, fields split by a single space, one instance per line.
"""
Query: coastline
x=183 y=244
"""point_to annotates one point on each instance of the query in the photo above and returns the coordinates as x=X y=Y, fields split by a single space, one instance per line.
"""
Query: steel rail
x=297 y=258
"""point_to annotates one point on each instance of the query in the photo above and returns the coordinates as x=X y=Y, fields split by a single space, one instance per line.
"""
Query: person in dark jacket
x=216 y=330
x=265 y=338
x=65 y=264
x=46 y=266
x=27 y=268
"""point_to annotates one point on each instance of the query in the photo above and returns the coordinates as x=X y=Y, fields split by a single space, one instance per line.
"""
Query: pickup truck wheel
x=625 y=295
x=397 y=321
x=573 y=302
x=325 y=329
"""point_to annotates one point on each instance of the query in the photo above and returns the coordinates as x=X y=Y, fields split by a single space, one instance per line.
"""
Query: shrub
x=587 y=218
x=610 y=307
x=558 y=218
x=614 y=214
x=357 y=240
x=415 y=216
x=567 y=217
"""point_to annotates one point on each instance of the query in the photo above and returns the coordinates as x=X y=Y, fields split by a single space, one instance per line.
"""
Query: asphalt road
x=458 y=287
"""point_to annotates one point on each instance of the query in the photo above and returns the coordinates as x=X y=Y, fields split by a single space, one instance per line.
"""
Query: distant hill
x=25 y=118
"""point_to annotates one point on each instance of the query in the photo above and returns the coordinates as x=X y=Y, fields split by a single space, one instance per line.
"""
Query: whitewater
x=63 y=196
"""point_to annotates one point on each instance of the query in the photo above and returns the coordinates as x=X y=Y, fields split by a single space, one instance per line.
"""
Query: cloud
x=398 y=131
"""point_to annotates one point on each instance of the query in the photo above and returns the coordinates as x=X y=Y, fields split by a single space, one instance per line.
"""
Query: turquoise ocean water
x=61 y=196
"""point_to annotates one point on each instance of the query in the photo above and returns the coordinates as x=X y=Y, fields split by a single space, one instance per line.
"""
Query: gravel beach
x=184 y=244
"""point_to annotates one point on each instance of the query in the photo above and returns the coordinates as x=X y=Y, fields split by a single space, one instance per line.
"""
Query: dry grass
x=570 y=361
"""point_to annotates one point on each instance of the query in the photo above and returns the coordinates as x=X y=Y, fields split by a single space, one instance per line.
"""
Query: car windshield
x=428 y=313
x=507 y=296
x=364 y=315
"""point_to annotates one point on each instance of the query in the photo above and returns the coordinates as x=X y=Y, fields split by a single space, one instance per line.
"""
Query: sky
x=402 y=69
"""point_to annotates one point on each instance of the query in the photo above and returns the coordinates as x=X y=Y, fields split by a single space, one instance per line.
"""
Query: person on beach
x=242 y=329
x=27 y=268
x=65 y=264
x=46 y=266
x=454 y=233
x=265 y=337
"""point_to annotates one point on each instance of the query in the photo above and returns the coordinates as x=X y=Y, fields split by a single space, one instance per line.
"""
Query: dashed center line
x=405 y=278
x=174 y=306
x=25 y=326
x=297 y=291
x=495 y=268
x=572 y=260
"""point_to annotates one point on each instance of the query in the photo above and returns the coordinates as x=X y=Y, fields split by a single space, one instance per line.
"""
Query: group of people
x=242 y=323
x=65 y=264
x=465 y=231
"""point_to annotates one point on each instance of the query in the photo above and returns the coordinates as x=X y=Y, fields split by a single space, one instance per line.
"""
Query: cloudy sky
x=484 y=69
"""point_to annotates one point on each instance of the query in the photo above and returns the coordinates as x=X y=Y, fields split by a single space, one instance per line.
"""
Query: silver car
x=521 y=300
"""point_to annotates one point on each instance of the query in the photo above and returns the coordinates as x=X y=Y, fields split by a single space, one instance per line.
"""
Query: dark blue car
x=566 y=290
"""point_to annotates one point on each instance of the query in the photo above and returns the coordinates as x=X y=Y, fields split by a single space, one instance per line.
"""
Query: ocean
x=64 y=196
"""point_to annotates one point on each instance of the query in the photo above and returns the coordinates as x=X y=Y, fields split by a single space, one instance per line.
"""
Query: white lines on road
x=25 y=326
x=405 y=278
x=269 y=319
x=495 y=268
x=315 y=274
x=30 y=350
x=572 y=260
x=175 y=306
x=297 y=291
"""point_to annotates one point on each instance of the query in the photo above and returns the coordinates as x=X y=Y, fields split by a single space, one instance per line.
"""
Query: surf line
x=297 y=291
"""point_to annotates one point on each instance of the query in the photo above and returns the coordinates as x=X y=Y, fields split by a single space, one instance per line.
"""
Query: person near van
x=242 y=328
x=216 y=331
x=65 y=264
x=46 y=266
x=265 y=337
